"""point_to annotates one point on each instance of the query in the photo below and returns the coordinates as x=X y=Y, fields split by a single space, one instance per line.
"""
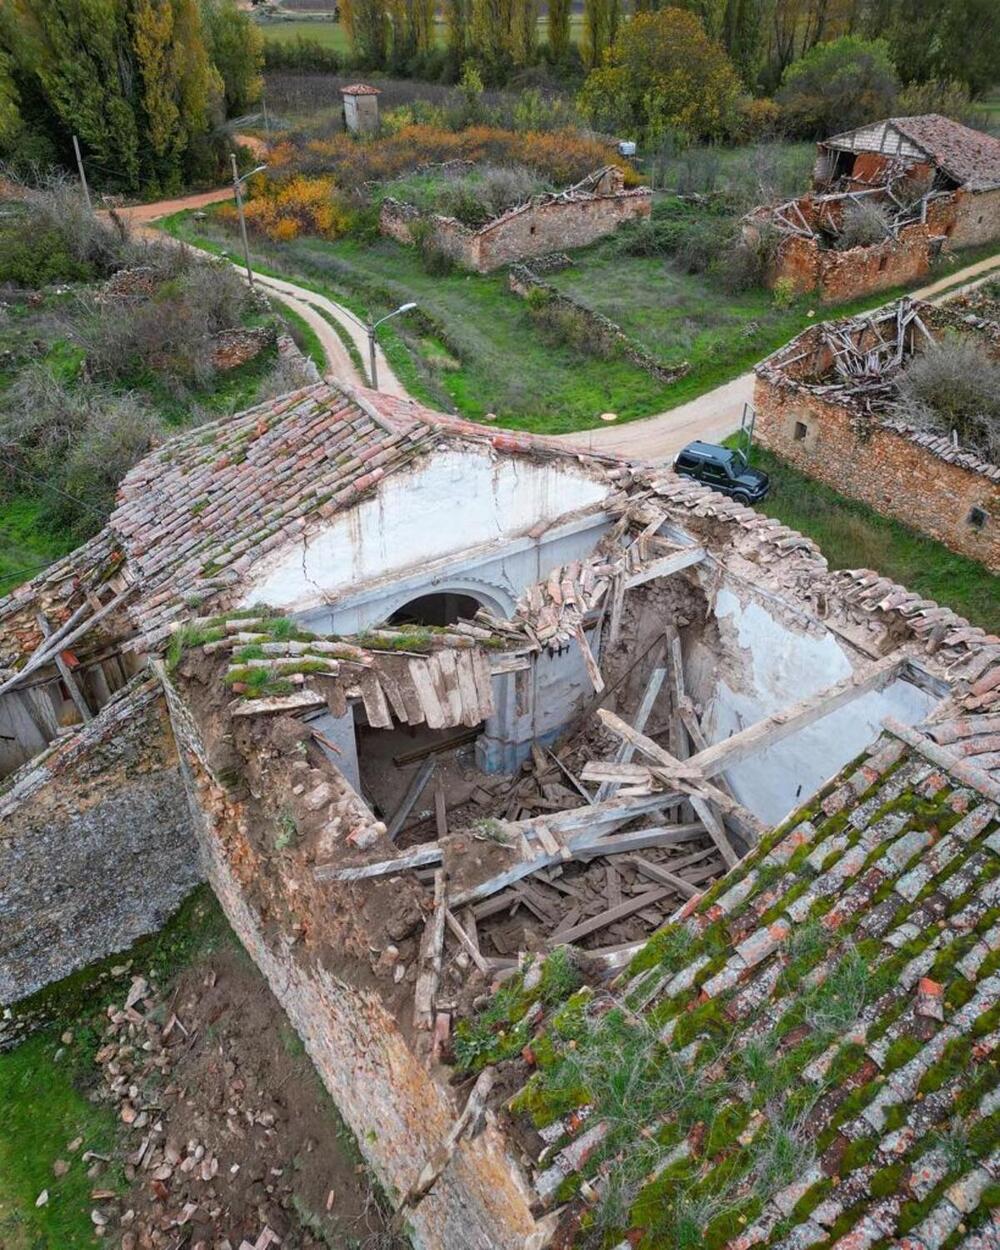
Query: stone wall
x=883 y=468
x=542 y=225
x=96 y=847
x=977 y=218
x=842 y=276
x=319 y=952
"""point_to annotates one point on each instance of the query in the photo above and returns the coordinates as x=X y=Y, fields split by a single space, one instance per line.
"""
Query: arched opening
x=440 y=608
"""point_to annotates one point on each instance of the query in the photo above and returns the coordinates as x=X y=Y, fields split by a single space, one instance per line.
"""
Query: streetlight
x=238 y=188
x=371 y=328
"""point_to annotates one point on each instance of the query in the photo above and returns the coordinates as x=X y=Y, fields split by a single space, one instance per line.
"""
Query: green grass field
x=853 y=536
x=477 y=349
x=331 y=34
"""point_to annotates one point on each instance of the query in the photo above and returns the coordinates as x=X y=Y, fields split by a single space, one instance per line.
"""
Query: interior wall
x=762 y=659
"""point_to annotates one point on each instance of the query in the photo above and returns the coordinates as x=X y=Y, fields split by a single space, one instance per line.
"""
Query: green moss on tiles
x=858 y=1153
x=902 y=1050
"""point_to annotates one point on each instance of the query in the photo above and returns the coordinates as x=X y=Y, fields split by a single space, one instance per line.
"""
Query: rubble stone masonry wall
x=96 y=847
x=977 y=218
x=386 y=1093
x=532 y=229
x=883 y=468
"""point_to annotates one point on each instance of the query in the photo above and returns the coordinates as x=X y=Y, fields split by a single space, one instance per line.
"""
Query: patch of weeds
x=189 y=636
x=489 y=829
x=560 y=977
x=288 y=831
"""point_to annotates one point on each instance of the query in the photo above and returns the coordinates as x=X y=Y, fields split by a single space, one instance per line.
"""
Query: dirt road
x=717 y=413
x=307 y=304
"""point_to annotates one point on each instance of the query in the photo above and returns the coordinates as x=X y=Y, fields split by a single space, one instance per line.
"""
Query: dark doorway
x=444 y=608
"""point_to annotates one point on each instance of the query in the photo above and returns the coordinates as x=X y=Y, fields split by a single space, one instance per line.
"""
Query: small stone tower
x=360 y=108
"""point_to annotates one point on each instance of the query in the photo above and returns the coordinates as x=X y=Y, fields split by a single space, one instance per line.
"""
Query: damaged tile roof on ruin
x=822 y=1026
x=196 y=515
x=970 y=157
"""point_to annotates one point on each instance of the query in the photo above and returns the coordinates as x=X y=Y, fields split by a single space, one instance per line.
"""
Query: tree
x=10 y=113
x=491 y=37
x=367 y=26
x=456 y=22
x=524 y=42
x=837 y=86
x=79 y=55
x=743 y=38
x=601 y=19
x=558 y=29
x=237 y=49
x=663 y=73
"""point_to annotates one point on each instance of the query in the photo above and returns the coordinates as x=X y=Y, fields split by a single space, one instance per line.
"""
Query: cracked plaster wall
x=762 y=661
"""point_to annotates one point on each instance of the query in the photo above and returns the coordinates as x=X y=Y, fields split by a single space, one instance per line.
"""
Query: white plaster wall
x=778 y=664
x=450 y=501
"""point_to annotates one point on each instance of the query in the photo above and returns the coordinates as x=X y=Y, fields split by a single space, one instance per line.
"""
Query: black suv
x=724 y=470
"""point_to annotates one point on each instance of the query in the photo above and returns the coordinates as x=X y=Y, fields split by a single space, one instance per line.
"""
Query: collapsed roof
x=969 y=157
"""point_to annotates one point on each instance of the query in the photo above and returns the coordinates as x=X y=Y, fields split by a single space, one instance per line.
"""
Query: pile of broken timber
x=867 y=373
x=447 y=686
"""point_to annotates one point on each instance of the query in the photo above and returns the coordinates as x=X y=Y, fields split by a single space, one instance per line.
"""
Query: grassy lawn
x=852 y=536
x=474 y=347
x=26 y=546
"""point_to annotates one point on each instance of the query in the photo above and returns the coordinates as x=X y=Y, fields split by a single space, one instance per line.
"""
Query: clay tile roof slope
x=196 y=514
x=792 y=1060
x=359 y=88
x=969 y=156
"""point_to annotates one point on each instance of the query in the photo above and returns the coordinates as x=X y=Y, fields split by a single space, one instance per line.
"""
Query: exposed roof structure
x=968 y=156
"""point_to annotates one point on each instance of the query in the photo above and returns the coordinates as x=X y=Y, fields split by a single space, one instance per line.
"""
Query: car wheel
x=742 y=497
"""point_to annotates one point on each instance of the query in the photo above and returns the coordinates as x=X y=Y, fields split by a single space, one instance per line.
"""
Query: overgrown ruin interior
x=886 y=199
x=443 y=701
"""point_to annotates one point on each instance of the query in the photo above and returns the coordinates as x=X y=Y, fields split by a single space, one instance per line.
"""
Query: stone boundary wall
x=522 y=280
x=882 y=467
x=387 y=1094
x=96 y=845
x=535 y=228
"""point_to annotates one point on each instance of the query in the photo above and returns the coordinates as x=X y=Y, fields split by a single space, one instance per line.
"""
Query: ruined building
x=827 y=403
x=553 y=221
x=932 y=182
x=426 y=702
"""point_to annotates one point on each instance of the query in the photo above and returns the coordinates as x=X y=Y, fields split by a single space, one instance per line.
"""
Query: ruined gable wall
x=531 y=230
x=558 y=225
x=885 y=470
x=96 y=848
x=319 y=952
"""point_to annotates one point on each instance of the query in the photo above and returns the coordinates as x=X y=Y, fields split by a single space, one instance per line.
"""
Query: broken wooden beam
x=465 y=940
x=780 y=725
x=301 y=701
x=431 y=949
x=413 y=792
x=626 y=749
x=75 y=693
x=415 y=857
x=664 y=566
x=611 y=914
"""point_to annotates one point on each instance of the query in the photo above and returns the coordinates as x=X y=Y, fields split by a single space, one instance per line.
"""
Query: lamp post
x=371 y=328
x=238 y=189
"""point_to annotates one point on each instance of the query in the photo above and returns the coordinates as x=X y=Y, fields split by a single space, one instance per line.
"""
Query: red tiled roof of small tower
x=359 y=88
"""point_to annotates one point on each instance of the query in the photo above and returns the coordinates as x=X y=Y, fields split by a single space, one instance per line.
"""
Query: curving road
x=710 y=417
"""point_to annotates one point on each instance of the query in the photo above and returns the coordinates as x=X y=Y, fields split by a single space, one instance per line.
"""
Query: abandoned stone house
x=825 y=403
x=935 y=182
x=553 y=221
x=397 y=685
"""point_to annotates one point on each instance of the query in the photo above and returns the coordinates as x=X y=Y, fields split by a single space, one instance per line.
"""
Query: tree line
x=145 y=85
x=944 y=41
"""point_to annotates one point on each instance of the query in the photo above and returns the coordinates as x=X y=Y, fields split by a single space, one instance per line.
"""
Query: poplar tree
x=601 y=19
x=236 y=47
x=491 y=36
x=558 y=29
x=524 y=46
x=456 y=21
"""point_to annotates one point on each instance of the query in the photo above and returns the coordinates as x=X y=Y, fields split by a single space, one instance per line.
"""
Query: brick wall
x=352 y=1031
x=96 y=848
x=884 y=469
x=532 y=229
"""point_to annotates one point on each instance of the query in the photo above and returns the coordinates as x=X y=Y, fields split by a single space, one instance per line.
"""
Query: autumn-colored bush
x=282 y=209
x=561 y=157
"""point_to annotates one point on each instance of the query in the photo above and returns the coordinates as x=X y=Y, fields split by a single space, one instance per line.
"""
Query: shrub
x=954 y=385
x=283 y=208
x=562 y=325
x=37 y=261
x=300 y=53
x=784 y=292
x=837 y=86
x=750 y=258
x=864 y=224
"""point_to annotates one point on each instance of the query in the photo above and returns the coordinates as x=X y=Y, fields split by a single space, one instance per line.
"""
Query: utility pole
x=267 y=120
x=238 y=188
x=83 y=176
